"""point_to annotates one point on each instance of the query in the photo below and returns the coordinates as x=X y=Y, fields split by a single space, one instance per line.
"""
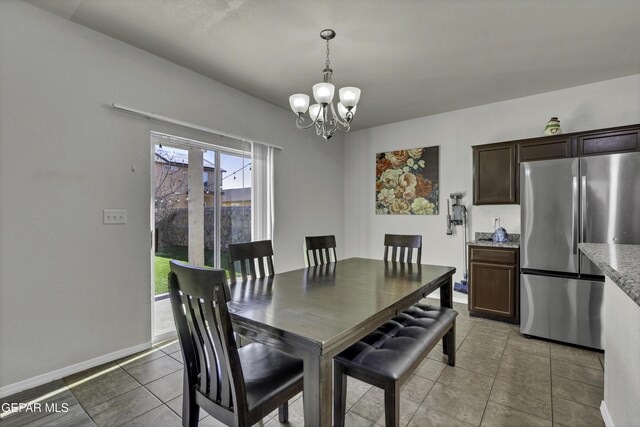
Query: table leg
x=446 y=300
x=317 y=390
x=446 y=291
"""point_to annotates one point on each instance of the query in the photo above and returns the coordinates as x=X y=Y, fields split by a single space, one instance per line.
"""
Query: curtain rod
x=164 y=119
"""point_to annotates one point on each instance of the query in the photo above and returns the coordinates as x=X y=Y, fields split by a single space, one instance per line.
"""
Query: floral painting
x=407 y=182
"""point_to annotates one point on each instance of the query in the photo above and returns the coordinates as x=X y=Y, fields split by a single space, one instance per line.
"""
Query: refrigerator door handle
x=583 y=208
x=574 y=214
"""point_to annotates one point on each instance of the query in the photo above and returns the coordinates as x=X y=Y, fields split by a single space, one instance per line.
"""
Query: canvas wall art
x=407 y=182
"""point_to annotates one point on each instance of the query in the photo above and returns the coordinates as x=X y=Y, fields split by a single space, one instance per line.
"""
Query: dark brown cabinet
x=494 y=174
x=493 y=283
x=545 y=149
x=620 y=141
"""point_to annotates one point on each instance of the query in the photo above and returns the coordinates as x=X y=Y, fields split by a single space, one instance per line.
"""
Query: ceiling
x=411 y=58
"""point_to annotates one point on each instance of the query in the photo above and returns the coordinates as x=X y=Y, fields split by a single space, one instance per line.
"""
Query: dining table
x=317 y=312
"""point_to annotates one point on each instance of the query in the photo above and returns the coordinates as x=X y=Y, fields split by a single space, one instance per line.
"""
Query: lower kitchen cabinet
x=493 y=283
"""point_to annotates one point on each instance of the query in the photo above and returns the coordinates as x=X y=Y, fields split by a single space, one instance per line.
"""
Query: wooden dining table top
x=326 y=306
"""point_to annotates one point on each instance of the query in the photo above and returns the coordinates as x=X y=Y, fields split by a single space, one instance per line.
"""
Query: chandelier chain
x=328 y=63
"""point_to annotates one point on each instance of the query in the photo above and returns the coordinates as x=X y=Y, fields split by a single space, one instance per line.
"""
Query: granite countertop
x=620 y=263
x=484 y=239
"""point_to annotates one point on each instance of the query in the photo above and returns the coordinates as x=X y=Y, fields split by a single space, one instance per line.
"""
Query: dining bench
x=388 y=356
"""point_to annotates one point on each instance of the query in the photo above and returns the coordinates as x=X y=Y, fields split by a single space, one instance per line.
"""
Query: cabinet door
x=495 y=180
x=545 y=149
x=493 y=289
x=622 y=141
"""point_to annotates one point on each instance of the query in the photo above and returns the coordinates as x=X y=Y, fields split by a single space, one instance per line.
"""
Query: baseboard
x=606 y=416
x=163 y=337
x=70 y=370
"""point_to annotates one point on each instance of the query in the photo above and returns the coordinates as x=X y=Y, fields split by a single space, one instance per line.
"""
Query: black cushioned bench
x=387 y=357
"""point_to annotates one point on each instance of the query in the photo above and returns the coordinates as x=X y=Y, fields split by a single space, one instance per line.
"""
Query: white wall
x=71 y=288
x=604 y=104
x=621 y=364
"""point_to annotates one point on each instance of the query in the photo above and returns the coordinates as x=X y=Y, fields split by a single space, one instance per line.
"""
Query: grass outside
x=162 y=268
x=161 y=275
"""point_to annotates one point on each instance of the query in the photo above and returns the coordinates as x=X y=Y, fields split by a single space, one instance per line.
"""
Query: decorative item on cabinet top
x=553 y=127
x=407 y=182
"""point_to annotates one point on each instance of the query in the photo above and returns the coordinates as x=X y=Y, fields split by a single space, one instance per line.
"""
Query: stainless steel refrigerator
x=563 y=202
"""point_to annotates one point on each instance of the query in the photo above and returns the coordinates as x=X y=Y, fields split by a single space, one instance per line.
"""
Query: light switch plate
x=114 y=216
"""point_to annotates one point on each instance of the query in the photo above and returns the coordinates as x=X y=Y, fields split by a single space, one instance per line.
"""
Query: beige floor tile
x=484 y=348
x=124 y=408
x=209 y=421
x=170 y=346
x=526 y=360
x=496 y=415
x=416 y=389
x=570 y=413
x=371 y=406
x=528 y=345
x=353 y=420
x=428 y=417
x=493 y=327
x=538 y=380
x=578 y=373
x=463 y=405
x=601 y=358
x=576 y=356
x=466 y=380
x=485 y=335
x=95 y=372
x=93 y=391
x=155 y=369
x=176 y=406
x=430 y=369
x=437 y=355
x=577 y=392
x=407 y=411
x=140 y=358
x=161 y=416
x=167 y=387
x=296 y=416
x=355 y=390
x=477 y=363
x=521 y=397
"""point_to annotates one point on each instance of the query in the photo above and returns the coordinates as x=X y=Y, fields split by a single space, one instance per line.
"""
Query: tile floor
x=163 y=317
x=501 y=379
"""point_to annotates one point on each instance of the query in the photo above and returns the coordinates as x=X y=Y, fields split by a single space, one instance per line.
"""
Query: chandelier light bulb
x=349 y=96
x=299 y=103
x=323 y=92
x=315 y=112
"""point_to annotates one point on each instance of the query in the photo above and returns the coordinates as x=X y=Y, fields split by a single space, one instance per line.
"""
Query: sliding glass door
x=198 y=209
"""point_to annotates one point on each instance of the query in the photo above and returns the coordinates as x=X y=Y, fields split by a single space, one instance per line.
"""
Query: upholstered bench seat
x=388 y=356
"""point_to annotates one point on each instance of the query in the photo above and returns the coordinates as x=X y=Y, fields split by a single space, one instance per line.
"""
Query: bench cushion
x=389 y=351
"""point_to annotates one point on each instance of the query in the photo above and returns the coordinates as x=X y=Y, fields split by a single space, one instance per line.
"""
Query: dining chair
x=406 y=243
x=322 y=248
x=251 y=253
x=238 y=387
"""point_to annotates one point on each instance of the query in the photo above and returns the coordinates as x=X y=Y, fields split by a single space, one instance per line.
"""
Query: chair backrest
x=406 y=243
x=251 y=253
x=321 y=247
x=213 y=371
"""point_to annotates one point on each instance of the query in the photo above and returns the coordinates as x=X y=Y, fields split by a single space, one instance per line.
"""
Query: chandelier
x=323 y=115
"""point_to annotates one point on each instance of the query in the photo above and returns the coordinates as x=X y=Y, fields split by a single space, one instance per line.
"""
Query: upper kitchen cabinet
x=608 y=141
x=495 y=180
x=546 y=148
